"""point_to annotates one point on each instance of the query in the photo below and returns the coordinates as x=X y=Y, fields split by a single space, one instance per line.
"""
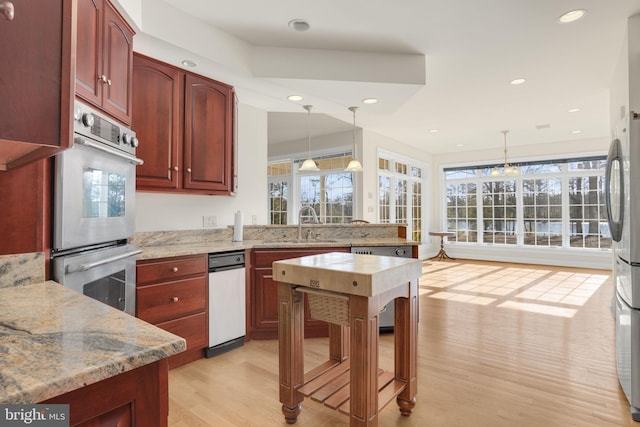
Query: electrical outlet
x=209 y=221
x=254 y=219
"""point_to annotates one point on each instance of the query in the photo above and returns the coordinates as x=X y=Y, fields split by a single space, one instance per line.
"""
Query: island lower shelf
x=329 y=384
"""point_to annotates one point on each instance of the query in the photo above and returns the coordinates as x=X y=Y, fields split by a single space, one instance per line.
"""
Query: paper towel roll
x=237 y=227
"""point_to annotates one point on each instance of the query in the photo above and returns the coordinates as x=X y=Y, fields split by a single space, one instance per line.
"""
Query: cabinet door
x=265 y=305
x=156 y=119
x=36 y=90
x=89 y=51
x=117 y=65
x=208 y=135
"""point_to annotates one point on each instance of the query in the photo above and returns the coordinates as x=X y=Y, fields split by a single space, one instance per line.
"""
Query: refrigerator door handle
x=615 y=155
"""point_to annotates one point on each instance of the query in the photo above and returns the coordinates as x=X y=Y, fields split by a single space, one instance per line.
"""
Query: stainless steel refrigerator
x=622 y=194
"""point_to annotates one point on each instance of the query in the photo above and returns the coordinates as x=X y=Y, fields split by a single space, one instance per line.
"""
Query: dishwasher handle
x=226 y=267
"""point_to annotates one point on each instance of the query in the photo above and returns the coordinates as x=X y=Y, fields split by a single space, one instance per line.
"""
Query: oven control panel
x=90 y=123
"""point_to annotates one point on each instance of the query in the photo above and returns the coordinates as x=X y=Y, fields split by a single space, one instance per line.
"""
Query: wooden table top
x=355 y=274
x=442 y=233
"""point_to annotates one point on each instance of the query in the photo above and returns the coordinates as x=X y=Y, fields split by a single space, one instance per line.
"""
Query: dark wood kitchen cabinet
x=25 y=216
x=104 y=58
x=36 y=81
x=185 y=126
x=134 y=398
x=263 y=294
x=172 y=294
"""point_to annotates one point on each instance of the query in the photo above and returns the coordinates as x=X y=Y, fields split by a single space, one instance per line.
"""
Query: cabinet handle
x=175 y=168
x=175 y=299
x=102 y=78
x=109 y=82
x=189 y=170
x=174 y=269
x=7 y=10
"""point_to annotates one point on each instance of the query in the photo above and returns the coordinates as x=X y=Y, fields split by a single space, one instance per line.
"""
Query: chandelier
x=507 y=169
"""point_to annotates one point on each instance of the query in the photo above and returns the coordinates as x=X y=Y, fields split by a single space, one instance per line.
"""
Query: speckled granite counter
x=21 y=269
x=191 y=242
x=54 y=340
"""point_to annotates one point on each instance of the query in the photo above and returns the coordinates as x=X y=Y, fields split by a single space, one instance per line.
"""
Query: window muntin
x=400 y=186
x=499 y=212
x=542 y=211
x=329 y=191
x=543 y=215
x=462 y=212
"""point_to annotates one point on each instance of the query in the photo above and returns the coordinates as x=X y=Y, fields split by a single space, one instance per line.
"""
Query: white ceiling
x=469 y=50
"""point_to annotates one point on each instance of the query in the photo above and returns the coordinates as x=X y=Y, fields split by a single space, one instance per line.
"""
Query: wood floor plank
x=497 y=348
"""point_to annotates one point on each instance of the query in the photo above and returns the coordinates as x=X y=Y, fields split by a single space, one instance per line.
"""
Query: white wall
x=158 y=211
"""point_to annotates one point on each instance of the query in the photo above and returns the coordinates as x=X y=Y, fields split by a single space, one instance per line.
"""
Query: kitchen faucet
x=313 y=214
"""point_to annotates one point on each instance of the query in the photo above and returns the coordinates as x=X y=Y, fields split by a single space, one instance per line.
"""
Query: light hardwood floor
x=499 y=345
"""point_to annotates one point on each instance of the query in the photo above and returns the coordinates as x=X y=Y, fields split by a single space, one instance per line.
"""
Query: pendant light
x=354 y=164
x=309 y=165
x=508 y=170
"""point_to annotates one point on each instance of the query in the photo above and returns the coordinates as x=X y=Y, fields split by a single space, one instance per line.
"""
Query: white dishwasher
x=227 y=302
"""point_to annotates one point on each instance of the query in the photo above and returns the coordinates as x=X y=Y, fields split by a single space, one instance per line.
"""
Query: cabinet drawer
x=168 y=301
x=192 y=328
x=266 y=258
x=169 y=269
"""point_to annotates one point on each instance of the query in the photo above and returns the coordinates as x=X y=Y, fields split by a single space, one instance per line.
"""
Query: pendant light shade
x=508 y=170
x=354 y=165
x=309 y=165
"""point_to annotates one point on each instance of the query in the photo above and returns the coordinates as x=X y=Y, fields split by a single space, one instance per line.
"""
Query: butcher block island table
x=348 y=291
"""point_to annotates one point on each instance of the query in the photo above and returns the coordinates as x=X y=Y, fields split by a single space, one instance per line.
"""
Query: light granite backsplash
x=266 y=233
x=21 y=269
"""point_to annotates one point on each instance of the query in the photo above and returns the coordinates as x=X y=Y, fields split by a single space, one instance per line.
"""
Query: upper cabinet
x=104 y=58
x=185 y=126
x=36 y=80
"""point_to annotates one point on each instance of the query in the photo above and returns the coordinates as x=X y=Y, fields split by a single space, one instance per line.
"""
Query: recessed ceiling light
x=459 y=145
x=299 y=24
x=370 y=101
x=571 y=16
x=189 y=63
x=576 y=131
x=295 y=98
x=517 y=81
x=573 y=110
x=433 y=130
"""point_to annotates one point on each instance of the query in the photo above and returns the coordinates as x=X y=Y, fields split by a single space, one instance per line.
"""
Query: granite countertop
x=54 y=340
x=194 y=248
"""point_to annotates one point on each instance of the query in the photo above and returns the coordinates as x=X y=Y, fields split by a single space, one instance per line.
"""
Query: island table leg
x=405 y=347
x=364 y=362
x=291 y=351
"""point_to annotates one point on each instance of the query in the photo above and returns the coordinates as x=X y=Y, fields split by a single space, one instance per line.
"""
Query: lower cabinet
x=135 y=398
x=172 y=294
x=263 y=296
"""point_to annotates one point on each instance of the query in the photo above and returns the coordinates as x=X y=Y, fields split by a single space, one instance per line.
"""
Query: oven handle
x=104 y=148
x=75 y=268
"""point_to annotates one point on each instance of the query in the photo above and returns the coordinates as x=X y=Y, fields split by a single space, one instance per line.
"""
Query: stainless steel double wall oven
x=94 y=210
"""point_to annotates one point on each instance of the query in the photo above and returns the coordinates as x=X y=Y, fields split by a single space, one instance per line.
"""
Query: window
x=462 y=212
x=499 y=212
x=400 y=193
x=278 y=175
x=329 y=191
x=557 y=203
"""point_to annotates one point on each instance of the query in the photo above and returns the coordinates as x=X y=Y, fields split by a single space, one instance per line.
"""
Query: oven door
x=95 y=195
x=108 y=275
